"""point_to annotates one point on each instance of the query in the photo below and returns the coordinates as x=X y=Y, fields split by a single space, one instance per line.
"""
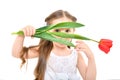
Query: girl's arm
x=88 y=72
x=17 y=46
x=19 y=41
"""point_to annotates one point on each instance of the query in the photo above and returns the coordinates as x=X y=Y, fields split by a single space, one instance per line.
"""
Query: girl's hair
x=45 y=46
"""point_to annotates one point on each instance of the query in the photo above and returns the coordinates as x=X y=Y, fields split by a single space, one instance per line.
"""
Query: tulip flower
x=44 y=33
x=105 y=45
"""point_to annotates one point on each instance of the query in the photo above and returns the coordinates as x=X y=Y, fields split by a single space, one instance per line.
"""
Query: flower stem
x=94 y=40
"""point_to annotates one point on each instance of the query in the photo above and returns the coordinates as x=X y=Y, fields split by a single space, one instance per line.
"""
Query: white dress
x=62 y=67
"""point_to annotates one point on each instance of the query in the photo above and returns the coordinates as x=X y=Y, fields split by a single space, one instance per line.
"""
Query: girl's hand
x=29 y=30
x=81 y=46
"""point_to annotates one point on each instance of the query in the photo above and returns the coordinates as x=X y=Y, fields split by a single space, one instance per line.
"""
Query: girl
x=56 y=61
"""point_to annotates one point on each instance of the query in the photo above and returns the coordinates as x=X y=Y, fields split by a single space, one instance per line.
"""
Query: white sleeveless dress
x=62 y=67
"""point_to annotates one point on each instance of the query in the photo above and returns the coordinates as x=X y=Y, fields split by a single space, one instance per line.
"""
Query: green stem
x=94 y=40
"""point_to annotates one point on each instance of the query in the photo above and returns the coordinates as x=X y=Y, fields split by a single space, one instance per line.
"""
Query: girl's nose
x=63 y=31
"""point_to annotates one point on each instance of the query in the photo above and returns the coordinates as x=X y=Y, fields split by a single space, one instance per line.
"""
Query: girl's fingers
x=31 y=31
x=24 y=31
x=79 y=42
x=28 y=31
x=80 y=45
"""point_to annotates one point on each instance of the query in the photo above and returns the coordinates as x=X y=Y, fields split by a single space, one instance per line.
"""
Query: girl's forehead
x=59 y=20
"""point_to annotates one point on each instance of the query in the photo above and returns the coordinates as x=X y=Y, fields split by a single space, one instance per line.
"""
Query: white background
x=100 y=17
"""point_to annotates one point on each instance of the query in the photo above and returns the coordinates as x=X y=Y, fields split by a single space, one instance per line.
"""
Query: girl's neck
x=61 y=51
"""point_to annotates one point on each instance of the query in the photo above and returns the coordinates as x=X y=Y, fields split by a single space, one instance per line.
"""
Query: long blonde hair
x=45 y=46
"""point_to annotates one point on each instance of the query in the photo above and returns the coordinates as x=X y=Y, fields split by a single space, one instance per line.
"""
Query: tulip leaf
x=66 y=35
x=43 y=33
x=42 y=28
x=67 y=25
x=48 y=36
x=55 y=26
x=59 y=25
x=19 y=33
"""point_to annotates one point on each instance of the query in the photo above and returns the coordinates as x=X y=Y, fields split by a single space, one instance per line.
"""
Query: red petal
x=106 y=42
x=104 y=48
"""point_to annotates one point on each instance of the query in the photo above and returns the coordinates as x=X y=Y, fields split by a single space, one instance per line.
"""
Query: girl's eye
x=57 y=30
x=67 y=30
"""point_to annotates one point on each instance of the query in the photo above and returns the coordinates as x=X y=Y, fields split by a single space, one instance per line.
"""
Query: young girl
x=56 y=61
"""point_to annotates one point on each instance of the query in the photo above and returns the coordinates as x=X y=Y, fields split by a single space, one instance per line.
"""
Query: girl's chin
x=60 y=45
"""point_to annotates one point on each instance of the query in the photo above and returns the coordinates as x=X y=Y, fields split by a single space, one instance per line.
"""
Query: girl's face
x=65 y=30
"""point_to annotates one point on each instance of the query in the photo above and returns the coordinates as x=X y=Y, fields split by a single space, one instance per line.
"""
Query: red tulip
x=105 y=45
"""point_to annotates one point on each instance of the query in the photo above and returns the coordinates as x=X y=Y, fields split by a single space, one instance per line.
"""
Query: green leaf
x=49 y=37
x=66 y=35
x=42 y=29
x=55 y=26
x=59 y=25
x=67 y=25
x=18 y=33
